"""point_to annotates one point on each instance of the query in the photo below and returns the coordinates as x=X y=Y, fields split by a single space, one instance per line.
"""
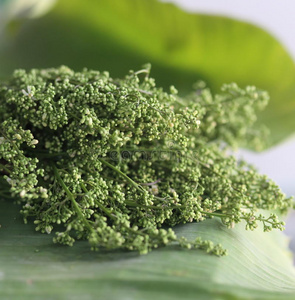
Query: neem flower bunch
x=120 y=162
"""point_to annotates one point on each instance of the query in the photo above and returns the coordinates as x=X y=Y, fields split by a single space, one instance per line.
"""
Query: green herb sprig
x=120 y=162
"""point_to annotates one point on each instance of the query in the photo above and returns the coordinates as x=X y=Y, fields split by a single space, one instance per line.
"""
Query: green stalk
x=5 y=168
x=133 y=183
x=71 y=197
x=221 y=215
x=104 y=209
x=137 y=186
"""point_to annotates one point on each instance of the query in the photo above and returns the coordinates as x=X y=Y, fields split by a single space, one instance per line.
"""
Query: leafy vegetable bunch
x=120 y=161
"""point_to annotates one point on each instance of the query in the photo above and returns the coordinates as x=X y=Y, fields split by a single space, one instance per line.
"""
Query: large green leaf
x=117 y=35
x=31 y=267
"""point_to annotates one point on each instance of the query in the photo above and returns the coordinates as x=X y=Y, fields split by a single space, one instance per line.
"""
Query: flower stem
x=71 y=197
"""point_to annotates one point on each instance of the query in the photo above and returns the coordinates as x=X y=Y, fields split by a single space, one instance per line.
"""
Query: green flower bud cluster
x=120 y=161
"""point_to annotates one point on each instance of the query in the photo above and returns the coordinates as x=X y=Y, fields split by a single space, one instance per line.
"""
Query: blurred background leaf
x=17 y=9
x=32 y=267
x=12 y=11
x=118 y=35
